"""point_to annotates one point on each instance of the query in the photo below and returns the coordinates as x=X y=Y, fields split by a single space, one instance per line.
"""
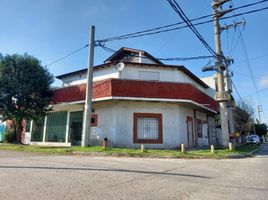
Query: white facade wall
x=132 y=72
x=105 y=73
x=211 y=82
x=147 y=60
x=115 y=121
x=74 y=80
x=165 y=75
x=106 y=126
x=99 y=74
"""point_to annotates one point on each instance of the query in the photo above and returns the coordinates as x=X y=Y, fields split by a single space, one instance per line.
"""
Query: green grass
x=99 y=151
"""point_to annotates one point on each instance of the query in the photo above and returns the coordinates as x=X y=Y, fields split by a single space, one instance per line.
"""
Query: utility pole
x=259 y=109
x=88 y=101
x=221 y=95
x=223 y=81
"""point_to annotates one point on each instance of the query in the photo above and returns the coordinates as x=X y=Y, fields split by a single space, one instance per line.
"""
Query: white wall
x=211 y=82
x=106 y=126
x=74 y=79
x=115 y=121
x=133 y=72
x=99 y=74
x=165 y=74
x=147 y=60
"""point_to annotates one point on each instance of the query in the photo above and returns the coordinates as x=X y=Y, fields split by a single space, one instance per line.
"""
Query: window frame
x=95 y=117
x=135 y=128
x=199 y=128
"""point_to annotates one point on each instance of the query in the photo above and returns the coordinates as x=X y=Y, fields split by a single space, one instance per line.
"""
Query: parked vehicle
x=253 y=139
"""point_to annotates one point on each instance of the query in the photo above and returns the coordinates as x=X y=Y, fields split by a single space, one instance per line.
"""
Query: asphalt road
x=34 y=176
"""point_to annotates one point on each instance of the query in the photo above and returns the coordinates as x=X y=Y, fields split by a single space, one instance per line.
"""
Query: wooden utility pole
x=88 y=101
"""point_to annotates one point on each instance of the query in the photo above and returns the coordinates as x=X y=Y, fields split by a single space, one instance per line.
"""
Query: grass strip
x=220 y=153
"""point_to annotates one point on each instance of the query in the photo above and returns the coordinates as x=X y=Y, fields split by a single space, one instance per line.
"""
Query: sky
x=51 y=29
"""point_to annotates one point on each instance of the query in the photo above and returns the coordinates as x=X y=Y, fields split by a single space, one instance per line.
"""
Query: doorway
x=190 y=132
x=76 y=123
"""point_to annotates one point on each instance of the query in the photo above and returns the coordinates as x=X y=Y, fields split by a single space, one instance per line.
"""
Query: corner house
x=136 y=100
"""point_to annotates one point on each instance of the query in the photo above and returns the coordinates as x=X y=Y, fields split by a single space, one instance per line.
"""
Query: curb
x=246 y=155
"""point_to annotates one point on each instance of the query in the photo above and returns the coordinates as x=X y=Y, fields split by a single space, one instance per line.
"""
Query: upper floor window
x=149 y=76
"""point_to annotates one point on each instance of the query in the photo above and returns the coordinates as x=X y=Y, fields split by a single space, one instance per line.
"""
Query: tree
x=25 y=90
x=243 y=117
x=261 y=129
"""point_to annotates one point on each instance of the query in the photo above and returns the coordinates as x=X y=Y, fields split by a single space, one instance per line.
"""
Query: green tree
x=243 y=117
x=25 y=90
x=261 y=129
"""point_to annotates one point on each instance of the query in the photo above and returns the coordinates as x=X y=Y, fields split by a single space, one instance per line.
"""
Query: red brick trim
x=135 y=127
x=95 y=117
x=128 y=88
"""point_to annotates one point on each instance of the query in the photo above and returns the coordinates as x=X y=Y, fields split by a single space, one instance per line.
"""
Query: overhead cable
x=66 y=56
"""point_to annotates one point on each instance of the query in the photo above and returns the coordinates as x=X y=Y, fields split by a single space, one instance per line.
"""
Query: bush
x=9 y=136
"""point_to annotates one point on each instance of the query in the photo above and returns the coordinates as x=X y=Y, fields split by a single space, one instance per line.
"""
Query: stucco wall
x=100 y=74
x=165 y=75
x=132 y=72
x=115 y=121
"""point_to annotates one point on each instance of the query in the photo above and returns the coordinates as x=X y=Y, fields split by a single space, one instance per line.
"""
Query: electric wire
x=247 y=58
x=66 y=56
x=233 y=48
x=157 y=29
x=152 y=33
x=162 y=59
x=183 y=16
x=176 y=28
x=236 y=90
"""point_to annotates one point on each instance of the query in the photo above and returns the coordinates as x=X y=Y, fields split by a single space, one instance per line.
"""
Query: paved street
x=34 y=176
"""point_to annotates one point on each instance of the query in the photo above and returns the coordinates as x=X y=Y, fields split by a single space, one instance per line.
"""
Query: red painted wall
x=135 y=88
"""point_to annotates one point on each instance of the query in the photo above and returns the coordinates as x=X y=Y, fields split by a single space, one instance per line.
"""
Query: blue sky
x=53 y=28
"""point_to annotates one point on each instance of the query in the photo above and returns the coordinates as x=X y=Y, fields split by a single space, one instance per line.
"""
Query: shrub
x=9 y=136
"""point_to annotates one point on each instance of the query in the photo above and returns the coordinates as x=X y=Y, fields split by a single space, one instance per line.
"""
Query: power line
x=254 y=58
x=157 y=32
x=186 y=58
x=237 y=92
x=183 y=16
x=247 y=59
x=129 y=35
x=124 y=37
x=162 y=59
x=66 y=56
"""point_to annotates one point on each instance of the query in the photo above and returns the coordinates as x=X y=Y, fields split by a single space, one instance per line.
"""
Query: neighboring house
x=136 y=100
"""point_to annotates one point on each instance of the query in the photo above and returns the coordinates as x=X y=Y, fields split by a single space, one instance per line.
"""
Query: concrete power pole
x=88 y=101
x=221 y=95
x=259 y=109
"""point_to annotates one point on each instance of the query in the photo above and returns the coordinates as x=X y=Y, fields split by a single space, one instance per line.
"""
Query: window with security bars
x=147 y=128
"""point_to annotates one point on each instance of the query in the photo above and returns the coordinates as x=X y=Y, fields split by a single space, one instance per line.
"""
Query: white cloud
x=263 y=82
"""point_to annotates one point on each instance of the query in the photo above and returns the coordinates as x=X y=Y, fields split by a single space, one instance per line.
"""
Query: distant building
x=136 y=100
